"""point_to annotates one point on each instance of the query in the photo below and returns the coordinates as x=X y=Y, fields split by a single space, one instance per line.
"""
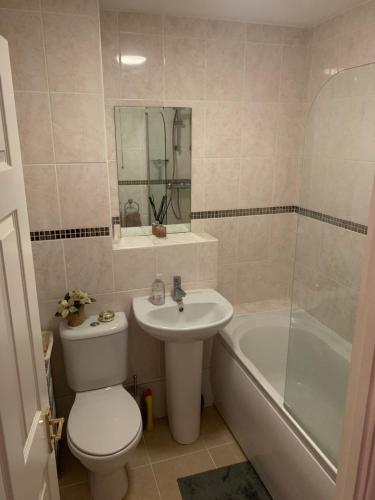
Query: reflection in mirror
x=4 y=151
x=154 y=168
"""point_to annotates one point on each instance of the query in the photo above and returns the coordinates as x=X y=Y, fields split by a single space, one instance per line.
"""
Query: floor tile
x=169 y=471
x=227 y=454
x=139 y=457
x=161 y=446
x=76 y=492
x=142 y=485
x=213 y=429
x=71 y=471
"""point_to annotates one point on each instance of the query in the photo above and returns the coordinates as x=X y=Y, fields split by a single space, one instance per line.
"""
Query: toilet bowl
x=104 y=428
x=104 y=424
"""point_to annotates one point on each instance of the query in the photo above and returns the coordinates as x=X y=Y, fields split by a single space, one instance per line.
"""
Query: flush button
x=95 y=323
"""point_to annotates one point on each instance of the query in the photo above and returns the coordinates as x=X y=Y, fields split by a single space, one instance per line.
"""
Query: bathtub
x=249 y=368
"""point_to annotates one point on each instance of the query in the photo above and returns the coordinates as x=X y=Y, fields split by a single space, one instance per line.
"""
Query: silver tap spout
x=178 y=293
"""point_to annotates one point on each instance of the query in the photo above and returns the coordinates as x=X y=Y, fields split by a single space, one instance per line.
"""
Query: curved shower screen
x=336 y=181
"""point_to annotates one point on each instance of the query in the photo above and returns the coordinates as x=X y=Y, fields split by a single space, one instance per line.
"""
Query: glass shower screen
x=336 y=183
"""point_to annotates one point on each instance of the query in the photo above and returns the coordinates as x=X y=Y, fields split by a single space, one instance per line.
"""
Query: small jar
x=161 y=231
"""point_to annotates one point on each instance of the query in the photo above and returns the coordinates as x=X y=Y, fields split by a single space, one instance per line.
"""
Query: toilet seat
x=104 y=422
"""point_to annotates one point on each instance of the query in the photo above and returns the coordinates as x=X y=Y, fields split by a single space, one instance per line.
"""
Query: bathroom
x=250 y=127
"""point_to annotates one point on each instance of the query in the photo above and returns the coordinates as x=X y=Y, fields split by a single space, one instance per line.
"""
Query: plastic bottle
x=158 y=291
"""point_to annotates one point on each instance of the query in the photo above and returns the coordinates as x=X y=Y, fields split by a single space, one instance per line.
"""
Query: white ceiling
x=284 y=12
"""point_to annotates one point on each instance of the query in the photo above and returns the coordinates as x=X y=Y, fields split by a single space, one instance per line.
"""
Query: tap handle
x=176 y=281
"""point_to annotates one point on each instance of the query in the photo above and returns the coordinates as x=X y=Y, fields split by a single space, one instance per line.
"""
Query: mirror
x=153 y=168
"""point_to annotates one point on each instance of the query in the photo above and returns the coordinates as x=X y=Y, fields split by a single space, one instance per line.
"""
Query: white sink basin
x=205 y=312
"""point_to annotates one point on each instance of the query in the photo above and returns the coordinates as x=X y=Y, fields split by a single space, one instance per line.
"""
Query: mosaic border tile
x=145 y=182
x=65 y=234
x=241 y=212
x=334 y=221
x=87 y=232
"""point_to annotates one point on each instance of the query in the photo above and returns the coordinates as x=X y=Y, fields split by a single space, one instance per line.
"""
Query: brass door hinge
x=52 y=434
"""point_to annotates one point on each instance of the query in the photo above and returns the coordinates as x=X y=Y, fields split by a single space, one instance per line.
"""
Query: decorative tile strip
x=335 y=221
x=65 y=234
x=115 y=220
x=145 y=182
x=241 y=212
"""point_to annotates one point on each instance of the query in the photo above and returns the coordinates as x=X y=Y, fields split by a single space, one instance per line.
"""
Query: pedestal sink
x=205 y=312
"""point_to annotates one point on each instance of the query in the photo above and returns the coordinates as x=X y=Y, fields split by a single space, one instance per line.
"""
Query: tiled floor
x=159 y=461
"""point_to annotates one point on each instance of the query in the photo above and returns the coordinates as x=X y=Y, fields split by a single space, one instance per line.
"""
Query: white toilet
x=104 y=424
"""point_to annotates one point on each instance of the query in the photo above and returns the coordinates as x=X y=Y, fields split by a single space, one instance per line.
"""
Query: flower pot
x=76 y=319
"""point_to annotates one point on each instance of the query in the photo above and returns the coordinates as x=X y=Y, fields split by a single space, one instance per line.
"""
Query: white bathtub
x=249 y=367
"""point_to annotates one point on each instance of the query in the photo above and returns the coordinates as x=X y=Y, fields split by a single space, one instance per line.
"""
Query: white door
x=27 y=464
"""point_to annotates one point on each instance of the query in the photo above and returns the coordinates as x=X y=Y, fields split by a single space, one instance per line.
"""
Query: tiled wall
x=246 y=85
x=338 y=167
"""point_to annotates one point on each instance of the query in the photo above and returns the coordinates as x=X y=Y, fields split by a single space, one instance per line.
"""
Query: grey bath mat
x=236 y=482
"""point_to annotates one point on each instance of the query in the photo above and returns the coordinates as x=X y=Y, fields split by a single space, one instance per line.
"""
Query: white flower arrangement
x=72 y=302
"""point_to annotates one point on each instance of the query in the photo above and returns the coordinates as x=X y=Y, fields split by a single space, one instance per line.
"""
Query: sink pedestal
x=183 y=365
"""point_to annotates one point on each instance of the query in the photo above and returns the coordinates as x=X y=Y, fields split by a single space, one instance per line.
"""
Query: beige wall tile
x=23 y=30
x=143 y=81
x=294 y=73
x=83 y=192
x=223 y=129
x=221 y=194
x=296 y=36
x=134 y=268
x=341 y=255
x=263 y=66
x=269 y=279
x=184 y=56
x=72 y=50
x=78 y=127
x=265 y=33
x=146 y=356
x=291 y=128
x=207 y=261
x=111 y=65
x=134 y=22
x=259 y=129
x=256 y=181
x=226 y=231
x=89 y=264
x=20 y=4
x=109 y=20
x=227 y=282
x=42 y=198
x=325 y=64
x=49 y=269
x=182 y=260
x=85 y=7
x=186 y=27
x=253 y=238
x=230 y=30
x=283 y=235
x=285 y=188
x=34 y=126
x=224 y=67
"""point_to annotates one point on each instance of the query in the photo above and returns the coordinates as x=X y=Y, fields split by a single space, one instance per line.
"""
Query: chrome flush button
x=106 y=316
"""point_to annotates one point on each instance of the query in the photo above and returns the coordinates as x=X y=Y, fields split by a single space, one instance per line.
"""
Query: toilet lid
x=105 y=421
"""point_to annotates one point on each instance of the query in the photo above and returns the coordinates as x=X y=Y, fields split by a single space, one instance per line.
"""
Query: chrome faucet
x=178 y=293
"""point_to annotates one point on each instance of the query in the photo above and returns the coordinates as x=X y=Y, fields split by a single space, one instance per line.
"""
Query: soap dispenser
x=158 y=291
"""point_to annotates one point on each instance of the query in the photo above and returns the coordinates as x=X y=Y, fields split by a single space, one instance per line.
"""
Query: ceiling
x=284 y=12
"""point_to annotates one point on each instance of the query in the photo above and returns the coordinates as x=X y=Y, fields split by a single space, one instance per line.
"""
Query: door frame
x=356 y=465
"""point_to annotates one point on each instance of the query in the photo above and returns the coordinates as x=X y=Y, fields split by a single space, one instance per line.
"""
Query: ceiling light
x=133 y=60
